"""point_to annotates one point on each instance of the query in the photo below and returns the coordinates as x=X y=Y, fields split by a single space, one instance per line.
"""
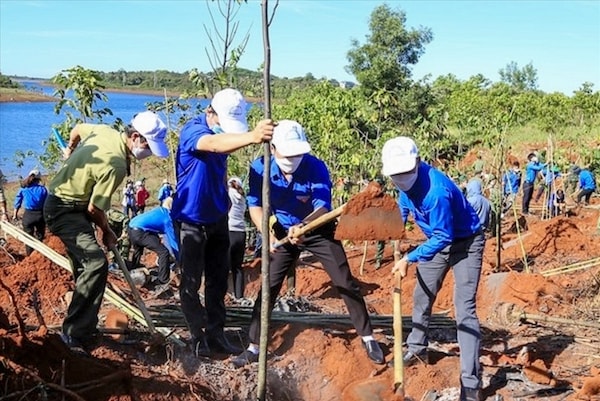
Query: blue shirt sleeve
x=440 y=221
x=19 y=199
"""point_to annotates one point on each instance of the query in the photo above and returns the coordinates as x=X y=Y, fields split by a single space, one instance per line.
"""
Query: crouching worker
x=301 y=192
x=145 y=231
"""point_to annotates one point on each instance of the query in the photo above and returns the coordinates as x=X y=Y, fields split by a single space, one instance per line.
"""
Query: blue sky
x=560 y=38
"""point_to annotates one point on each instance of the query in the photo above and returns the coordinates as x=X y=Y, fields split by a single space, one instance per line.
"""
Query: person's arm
x=98 y=217
x=17 y=204
x=227 y=143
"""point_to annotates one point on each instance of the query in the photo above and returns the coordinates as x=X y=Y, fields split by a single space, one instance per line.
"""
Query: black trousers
x=583 y=193
x=141 y=239
x=204 y=249
x=527 y=195
x=237 y=248
x=35 y=225
x=330 y=253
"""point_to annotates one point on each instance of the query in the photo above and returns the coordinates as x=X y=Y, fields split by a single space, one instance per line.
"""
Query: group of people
x=205 y=227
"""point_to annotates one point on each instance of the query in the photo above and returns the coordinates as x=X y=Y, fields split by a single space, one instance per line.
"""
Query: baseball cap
x=230 y=106
x=237 y=180
x=151 y=127
x=399 y=155
x=289 y=139
x=35 y=172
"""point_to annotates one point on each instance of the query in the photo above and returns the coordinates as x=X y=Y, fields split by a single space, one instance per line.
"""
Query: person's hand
x=294 y=234
x=263 y=132
x=401 y=266
x=109 y=239
x=66 y=152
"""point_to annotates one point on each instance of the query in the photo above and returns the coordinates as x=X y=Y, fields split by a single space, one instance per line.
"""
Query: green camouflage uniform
x=118 y=222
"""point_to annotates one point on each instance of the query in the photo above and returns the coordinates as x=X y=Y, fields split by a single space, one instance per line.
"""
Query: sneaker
x=74 y=344
x=244 y=359
x=411 y=358
x=200 y=347
x=374 y=351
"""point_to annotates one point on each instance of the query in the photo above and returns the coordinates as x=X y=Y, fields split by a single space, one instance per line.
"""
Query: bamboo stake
x=398 y=337
x=571 y=268
x=364 y=258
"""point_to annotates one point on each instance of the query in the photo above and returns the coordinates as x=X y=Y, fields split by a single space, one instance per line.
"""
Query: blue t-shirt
x=157 y=221
x=531 y=171
x=512 y=182
x=164 y=192
x=201 y=192
x=309 y=189
x=440 y=210
x=31 y=197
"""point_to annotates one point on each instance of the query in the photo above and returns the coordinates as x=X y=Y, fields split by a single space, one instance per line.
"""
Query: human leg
x=237 y=247
x=527 y=194
x=136 y=237
x=152 y=241
x=29 y=224
x=192 y=244
x=430 y=276
x=90 y=266
x=466 y=258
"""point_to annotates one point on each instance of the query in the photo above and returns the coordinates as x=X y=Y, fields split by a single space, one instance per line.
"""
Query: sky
x=561 y=39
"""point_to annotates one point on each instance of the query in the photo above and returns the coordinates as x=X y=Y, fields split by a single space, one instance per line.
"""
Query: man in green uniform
x=79 y=195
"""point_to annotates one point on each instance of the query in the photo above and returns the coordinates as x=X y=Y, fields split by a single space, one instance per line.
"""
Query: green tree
x=383 y=62
x=522 y=79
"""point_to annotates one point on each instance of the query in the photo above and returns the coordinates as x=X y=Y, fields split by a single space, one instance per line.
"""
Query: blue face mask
x=216 y=129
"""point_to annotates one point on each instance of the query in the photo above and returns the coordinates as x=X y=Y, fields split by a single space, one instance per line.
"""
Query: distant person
x=587 y=184
x=141 y=196
x=301 y=192
x=556 y=203
x=531 y=171
x=454 y=239
x=3 y=209
x=165 y=191
x=79 y=195
x=480 y=203
x=118 y=222
x=479 y=165
x=32 y=196
x=145 y=231
x=200 y=209
x=549 y=175
x=237 y=234
x=128 y=201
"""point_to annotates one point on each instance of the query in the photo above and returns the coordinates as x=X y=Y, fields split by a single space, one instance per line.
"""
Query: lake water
x=24 y=126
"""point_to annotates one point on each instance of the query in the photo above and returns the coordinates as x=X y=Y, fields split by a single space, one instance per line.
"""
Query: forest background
x=347 y=124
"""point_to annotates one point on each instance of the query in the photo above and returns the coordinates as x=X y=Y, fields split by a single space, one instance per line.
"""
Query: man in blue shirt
x=200 y=208
x=531 y=171
x=165 y=191
x=144 y=232
x=31 y=196
x=587 y=184
x=454 y=238
x=301 y=192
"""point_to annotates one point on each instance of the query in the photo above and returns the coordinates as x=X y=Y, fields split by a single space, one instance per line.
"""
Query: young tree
x=522 y=79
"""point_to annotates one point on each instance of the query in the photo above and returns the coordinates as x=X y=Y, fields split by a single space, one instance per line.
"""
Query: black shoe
x=470 y=394
x=374 y=351
x=74 y=344
x=244 y=359
x=200 y=347
x=220 y=344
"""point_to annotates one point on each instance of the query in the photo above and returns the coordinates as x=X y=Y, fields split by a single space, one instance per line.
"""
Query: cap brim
x=294 y=149
x=399 y=167
x=233 y=126
x=158 y=148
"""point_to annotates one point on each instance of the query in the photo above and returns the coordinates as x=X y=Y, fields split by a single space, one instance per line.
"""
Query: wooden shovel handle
x=398 y=337
x=316 y=223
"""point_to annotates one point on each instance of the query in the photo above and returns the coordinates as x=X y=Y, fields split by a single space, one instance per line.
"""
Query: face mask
x=289 y=164
x=534 y=159
x=404 y=182
x=217 y=129
x=140 y=152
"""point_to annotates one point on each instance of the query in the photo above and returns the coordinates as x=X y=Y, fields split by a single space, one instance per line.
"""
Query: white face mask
x=289 y=164
x=404 y=182
x=140 y=152
x=534 y=159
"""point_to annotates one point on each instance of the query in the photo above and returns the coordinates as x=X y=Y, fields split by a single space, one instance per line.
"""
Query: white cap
x=151 y=127
x=237 y=180
x=230 y=106
x=289 y=139
x=138 y=183
x=35 y=172
x=399 y=155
